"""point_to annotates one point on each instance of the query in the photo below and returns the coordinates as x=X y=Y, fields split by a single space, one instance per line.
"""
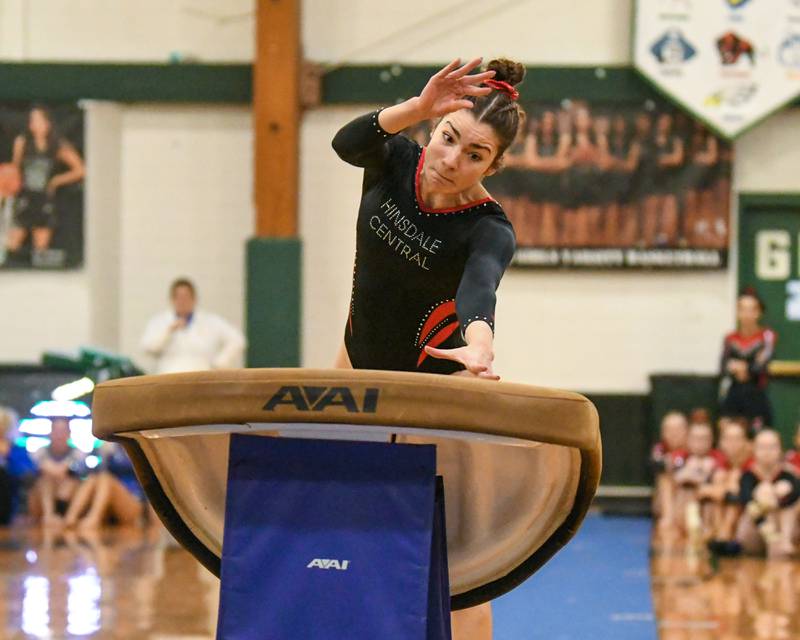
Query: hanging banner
x=730 y=62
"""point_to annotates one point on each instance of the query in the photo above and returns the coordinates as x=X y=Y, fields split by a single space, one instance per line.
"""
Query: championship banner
x=41 y=186
x=730 y=62
x=614 y=186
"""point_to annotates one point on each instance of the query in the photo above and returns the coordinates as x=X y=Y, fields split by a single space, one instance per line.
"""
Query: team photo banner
x=605 y=186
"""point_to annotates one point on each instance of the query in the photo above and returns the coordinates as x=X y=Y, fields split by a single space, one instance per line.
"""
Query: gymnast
x=431 y=242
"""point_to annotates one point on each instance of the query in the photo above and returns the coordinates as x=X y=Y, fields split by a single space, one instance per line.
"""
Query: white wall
x=103 y=240
x=555 y=32
x=186 y=209
x=42 y=312
x=126 y=31
x=768 y=157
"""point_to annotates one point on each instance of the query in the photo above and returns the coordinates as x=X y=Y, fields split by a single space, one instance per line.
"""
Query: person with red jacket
x=746 y=355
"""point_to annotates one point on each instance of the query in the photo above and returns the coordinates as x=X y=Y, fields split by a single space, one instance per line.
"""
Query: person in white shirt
x=189 y=339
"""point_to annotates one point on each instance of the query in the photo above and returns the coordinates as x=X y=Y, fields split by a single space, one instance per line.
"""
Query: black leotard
x=421 y=275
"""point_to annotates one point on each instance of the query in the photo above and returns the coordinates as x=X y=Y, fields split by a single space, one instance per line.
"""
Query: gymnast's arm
x=491 y=249
x=362 y=142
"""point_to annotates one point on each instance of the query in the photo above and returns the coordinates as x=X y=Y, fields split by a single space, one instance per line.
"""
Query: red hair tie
x=502 y=85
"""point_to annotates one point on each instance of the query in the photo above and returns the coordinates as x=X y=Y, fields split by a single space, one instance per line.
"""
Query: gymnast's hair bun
x=507 y=70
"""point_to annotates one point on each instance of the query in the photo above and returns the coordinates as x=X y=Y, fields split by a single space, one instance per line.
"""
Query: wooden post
x=276 y=111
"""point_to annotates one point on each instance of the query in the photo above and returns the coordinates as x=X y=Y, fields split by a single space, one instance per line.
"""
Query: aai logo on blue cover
x=673 y=48
x=789 y=52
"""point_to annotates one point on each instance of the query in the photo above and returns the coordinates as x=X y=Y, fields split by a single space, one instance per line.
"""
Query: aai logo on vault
x=307 y=398
x=673 y=48
x=326 y=563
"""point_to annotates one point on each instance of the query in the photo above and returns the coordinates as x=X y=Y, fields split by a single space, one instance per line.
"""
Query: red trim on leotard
x=440 y=313
x=421 y=204
x=440 y=337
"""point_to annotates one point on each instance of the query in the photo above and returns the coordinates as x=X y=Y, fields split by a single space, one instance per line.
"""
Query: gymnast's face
x=461 y=152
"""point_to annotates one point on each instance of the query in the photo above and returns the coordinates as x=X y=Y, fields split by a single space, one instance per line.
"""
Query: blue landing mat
x=597 y=587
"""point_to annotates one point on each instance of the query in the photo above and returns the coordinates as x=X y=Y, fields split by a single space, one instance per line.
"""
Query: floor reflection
x=115 y=583
x=733 y=599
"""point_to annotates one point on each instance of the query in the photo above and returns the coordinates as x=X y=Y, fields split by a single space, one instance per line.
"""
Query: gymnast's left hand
x=477 y=360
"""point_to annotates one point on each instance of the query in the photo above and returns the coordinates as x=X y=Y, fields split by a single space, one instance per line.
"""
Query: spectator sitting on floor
x=114 y=494
x=16 y=461
x=693 y=471
x=723 y=491
x=674 y=429
x=61 y=472
x=771 y=498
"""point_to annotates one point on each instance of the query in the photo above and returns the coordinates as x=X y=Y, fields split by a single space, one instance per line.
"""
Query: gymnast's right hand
x=446 y=90
x=476 y=360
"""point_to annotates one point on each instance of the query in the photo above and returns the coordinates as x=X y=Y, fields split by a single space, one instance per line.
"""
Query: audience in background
x=770 y=496
x=6 y=482
x=723 y=491
x=112 y=495
x=744 y=497
x=674 y=431
x=692 y=472
x=61 y=470
x=186 y=338
x=15 y=461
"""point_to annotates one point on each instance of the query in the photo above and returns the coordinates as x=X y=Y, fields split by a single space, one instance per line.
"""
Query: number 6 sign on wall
x=774 y=262
x=773 y=254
